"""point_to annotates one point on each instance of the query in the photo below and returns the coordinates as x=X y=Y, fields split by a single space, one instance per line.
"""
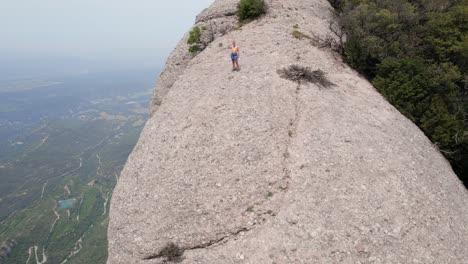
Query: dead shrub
x=171 y=253
x=299 y=35
x=298 y=73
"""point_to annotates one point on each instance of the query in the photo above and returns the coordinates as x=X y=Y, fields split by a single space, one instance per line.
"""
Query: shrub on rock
x=194 y=40
x=250 y=9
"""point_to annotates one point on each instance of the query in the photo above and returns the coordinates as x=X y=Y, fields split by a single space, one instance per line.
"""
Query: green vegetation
x=415 y=52
x=194 y=40
x=250 y=9
x=56 y=185
x=77 y=232
x=201 y=36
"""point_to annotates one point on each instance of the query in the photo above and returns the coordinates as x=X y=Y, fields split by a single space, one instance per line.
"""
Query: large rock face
x=247 y=167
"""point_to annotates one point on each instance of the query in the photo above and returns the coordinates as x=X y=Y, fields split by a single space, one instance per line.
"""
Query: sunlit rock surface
x=248 y=167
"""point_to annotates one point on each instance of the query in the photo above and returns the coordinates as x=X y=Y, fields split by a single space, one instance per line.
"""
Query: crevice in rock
x=171 y=252
x=292 y=131
x=221 y=240
x=283 y=184
x=175 y=252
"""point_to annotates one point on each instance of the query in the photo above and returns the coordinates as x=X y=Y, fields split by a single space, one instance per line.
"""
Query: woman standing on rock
x=234 y=56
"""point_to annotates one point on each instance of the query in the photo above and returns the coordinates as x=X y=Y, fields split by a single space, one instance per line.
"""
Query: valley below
x=63 y=144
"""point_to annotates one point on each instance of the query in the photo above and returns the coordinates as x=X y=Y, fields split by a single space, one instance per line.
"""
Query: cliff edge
x=250 y=167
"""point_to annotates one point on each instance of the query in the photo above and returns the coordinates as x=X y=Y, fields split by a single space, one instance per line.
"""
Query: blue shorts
x=234 y=56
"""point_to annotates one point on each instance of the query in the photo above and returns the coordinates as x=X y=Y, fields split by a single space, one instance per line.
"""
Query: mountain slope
x=248 y=167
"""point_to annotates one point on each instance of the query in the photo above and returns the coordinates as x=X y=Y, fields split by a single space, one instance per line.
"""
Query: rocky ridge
x=249 y=167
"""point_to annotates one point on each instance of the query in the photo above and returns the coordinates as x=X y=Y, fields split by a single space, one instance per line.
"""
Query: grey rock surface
x=247 y=167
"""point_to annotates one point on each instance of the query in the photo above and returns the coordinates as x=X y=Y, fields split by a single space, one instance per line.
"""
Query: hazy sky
x=139 y=30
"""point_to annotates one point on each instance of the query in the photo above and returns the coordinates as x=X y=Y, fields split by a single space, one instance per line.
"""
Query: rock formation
x=249 y=167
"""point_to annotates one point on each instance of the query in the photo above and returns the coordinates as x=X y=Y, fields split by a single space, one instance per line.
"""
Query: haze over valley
x=63 y=142
x=75 y=82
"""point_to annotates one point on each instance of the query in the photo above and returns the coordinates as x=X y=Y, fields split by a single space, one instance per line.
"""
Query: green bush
x=194 y=40
x=250 y=9
x=336 y=3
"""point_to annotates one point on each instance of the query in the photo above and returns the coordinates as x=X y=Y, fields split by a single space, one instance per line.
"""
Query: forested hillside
x=415 y=52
